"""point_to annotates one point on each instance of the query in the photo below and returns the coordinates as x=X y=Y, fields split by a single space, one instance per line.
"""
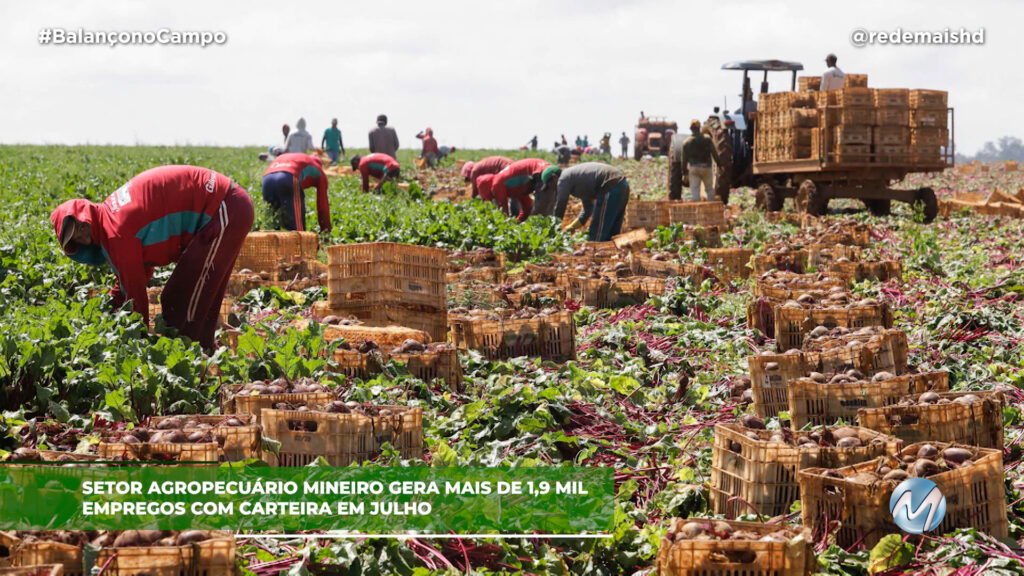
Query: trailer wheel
x=638 y=154
x=811 y=200
x=723 y=168
x=926 y=198
x=766 y=199
x=879 y=207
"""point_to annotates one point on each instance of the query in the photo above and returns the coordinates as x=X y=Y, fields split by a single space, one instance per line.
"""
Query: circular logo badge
x=917 y=505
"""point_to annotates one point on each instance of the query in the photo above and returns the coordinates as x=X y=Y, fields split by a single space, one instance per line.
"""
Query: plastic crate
x=793 y=557
x=207 y=452
x=646 y=214
x=892 y=117
x=646 y=266
x=341 y=439
x=702 y=214
x=975 y=498
x=632 y=240
x=885 y=351
x=856 y=81
x=232 y=403
x=770 y=387
x=895 y=97
x=549 y=338
x=808 y=83
x=385 y=273
x=266 y=250
x=929 y=99
x=762 y=474
x=824 y=404
x=214 y=557
x=427 y=366
x=976 y=424
x=793 y=324
x=41 y=553
x=236 y=442
x=891 y=136
x=433 y=321
x=935 y=118
x=792 y=261
x=882 y=271
x=929 y=136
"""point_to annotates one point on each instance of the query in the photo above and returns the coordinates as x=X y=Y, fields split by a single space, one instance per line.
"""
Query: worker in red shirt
x=379 y=165
x=187 y=215
x=430 y=151
x=516 y=182
x=485 y=184
x=489 y=165
x=284 y=185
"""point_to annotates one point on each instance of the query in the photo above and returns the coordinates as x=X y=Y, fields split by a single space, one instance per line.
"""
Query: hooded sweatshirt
x=145 y=223
x=299 y=140
x=516 y=181
x=310 y=172
x=483 y=184
x=488 y=165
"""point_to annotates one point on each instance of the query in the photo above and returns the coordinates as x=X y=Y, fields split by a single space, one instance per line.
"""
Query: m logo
x=917 y=505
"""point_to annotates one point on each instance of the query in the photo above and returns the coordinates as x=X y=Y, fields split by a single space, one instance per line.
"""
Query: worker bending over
x=380 y=166
x=602 y=189
x=187 y=215
x=284 y=183
x=472 y=171
x=517 y=181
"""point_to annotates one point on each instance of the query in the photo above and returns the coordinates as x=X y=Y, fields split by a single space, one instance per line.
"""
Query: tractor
x=814 y=181
x=653 y=136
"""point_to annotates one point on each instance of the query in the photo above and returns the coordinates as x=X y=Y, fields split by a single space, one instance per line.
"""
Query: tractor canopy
x=763 y=65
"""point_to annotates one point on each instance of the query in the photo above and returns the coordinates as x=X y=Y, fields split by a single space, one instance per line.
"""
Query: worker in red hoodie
x=430 y=151
x=484 y=184
x=187 y=215
x=489 y=165
x=516 y=182
x=284 y=185
x=380 y=166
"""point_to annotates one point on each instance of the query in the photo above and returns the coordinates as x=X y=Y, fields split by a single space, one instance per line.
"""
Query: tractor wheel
x=926 y=198
x=811 y=200
x=723 y=173
x=767 y=199
x=638 y=154
x=879 y=207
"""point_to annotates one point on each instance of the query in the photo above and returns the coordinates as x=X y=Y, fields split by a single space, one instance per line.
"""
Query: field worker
x=444 y=151
x=564 y=141
x=516 y=182
x=564 y=154
x=430 y=151
x=299 y=140
x=331 y=142
x=533 y=143
x=691 y=158
x=285 y=130
x=606 y=144
x=380 y=166
x=284 y=183
x=833 y=78
x=624 y=142
x=187 y=215
x=488 y=165
x=384 y=139
x=601 y=188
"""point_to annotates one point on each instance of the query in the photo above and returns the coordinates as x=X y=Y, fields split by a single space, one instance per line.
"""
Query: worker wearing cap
x=691 y=158
x=284 y=183
x=383 y=138
x=833 y=78
x=489 y=165
x=517 y=181
x=380 y=166
x=602 y=189
x=184 y=215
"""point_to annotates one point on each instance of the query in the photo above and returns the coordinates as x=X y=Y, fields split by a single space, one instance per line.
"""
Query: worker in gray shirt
x=604 y=192
x=383 y=138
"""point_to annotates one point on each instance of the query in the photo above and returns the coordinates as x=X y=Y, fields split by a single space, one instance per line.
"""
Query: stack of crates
x=847 y=116
x=786 y=120
x=929 y=125
x=388 y=284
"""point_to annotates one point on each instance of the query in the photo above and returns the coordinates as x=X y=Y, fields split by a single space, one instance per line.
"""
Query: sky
x=481 y=74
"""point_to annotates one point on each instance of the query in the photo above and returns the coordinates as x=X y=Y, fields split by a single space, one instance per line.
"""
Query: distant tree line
x=1006 y=148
